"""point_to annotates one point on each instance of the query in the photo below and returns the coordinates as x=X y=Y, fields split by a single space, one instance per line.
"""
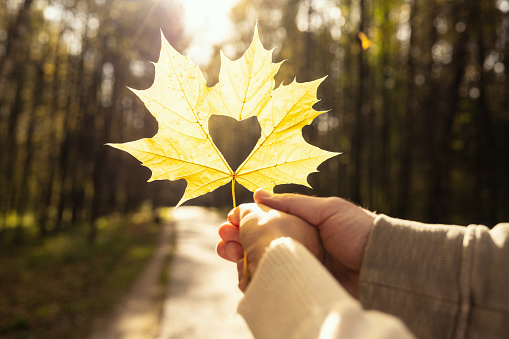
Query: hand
x=253 y=227
x=343 y=227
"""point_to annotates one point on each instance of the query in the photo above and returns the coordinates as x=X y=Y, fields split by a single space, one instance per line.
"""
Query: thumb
x=312 y=209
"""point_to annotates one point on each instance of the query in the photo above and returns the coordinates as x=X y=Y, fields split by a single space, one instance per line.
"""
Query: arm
x=442 y=281
x=293 y=296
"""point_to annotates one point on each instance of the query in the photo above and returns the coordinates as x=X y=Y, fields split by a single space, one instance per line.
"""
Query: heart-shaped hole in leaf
x=234 y=139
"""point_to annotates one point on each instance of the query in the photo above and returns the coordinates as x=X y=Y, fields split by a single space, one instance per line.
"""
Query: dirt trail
x=202 y=293
x=201 y=297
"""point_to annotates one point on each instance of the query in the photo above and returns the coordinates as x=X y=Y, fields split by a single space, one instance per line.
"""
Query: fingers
x=312 y=209
x=221 y=251
x=234 y=216
x=229 y=232
x=229 y=247
x=234 y=251
x=231 y=251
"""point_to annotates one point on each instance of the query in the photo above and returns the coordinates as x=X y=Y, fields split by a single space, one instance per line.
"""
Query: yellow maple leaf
x=182 y=104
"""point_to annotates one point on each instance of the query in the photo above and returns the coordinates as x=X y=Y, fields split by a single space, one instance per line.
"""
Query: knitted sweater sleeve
x=443 y=281
x=293 y=296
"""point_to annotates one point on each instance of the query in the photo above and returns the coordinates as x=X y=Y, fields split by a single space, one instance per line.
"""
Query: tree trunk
x=17 y=37
x=359 y=129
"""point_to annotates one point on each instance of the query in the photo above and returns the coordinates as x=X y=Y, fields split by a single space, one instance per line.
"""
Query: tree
x=64 y=75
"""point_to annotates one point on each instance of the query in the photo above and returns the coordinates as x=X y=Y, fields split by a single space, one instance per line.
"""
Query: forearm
x=437 y=278
x=293 y=296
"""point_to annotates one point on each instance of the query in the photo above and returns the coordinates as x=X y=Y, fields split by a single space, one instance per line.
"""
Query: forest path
x=201 y=294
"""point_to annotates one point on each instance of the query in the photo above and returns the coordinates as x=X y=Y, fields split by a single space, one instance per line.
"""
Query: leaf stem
x=245 y=272
x=233 y=191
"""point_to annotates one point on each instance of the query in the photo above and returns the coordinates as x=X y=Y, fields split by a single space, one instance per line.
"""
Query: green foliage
x=56 y=288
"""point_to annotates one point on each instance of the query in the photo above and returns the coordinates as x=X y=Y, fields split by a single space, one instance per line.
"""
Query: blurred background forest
x=421 y=116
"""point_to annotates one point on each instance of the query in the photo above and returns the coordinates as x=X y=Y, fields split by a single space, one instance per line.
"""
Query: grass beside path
x=56 y=289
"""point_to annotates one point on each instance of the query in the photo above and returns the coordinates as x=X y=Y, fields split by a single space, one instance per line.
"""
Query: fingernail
x=264 y=194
